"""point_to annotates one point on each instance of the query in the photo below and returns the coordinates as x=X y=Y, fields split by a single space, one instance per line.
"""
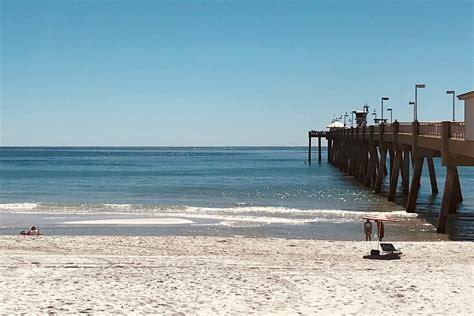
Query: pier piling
x=309 y=149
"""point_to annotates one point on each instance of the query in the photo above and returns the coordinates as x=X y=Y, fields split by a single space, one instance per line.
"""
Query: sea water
x=249 y=191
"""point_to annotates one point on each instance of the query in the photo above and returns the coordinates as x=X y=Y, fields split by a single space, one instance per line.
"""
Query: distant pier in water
x=362 y=152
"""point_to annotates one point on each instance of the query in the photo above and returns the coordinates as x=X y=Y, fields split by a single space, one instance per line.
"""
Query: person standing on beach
x=380 y=230
x=368 y=230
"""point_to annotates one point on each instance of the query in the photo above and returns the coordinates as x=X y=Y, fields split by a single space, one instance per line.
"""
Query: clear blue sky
x=222 y=72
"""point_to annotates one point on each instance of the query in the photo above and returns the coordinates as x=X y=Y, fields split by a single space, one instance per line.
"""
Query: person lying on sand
x=33 y=231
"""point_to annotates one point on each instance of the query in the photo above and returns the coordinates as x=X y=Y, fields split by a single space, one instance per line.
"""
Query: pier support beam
x=458 y=187
x=457 y=195
x=448 y=202
x=381 y=169
x=394 y=177
x=372 y=165
x=431 y=169
x=374 y=173
x=415 y=184
x=395 y=162
x=319 y=148
x=329 y=149
x=391 y=154
x=309 y=149
x=364 y=158
x=406 y=171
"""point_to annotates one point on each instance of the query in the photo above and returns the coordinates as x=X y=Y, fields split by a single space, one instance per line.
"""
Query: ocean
x=248 y=191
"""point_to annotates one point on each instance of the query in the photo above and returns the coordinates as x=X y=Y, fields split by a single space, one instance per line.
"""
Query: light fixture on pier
x=374 y=113
x=345 y=115
x=390 y=110
x=352 y=118
x=381 y=105
x=417 y=86
x=452 y=92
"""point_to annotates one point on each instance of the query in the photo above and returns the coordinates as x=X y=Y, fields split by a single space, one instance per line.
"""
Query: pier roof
x=466 y=95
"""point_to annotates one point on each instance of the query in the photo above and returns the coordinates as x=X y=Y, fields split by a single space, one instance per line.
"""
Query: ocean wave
x=293 y=211
x=18 y=206
x=228 y=216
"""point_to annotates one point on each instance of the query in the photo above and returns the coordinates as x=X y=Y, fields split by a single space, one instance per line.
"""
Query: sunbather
x=33 y=231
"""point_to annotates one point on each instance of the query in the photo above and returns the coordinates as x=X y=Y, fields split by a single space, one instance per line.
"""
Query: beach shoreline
x=230 y=275
x=259 y=223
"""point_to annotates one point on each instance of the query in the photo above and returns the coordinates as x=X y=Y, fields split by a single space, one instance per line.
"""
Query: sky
x=222 y=73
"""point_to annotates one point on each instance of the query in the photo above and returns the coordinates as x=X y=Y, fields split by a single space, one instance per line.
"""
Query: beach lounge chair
x=389 y=249
x=389 y=252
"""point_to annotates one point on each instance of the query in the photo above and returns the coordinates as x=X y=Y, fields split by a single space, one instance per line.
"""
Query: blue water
x=250 y=191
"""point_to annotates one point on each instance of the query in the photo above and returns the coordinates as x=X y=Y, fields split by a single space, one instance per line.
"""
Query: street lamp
x=383 y=99
x=390 y=110
x=417 y=86
x=413 y=103
x=345 y=115
x=452 y=92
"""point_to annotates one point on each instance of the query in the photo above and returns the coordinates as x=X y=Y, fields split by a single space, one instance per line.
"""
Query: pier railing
x=423 y=135
x=405 y=128
x=426 y=129
x=457 y=130
x=430 y=129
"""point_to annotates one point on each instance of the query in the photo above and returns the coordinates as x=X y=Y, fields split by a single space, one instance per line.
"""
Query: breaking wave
x=230 y=216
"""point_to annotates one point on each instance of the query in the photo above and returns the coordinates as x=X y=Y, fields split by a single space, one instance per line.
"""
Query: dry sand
x=211 y=275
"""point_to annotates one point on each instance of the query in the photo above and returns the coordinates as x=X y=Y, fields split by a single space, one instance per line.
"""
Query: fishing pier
x=365 y=152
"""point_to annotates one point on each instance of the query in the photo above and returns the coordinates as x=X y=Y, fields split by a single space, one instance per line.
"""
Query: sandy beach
x=212 y=275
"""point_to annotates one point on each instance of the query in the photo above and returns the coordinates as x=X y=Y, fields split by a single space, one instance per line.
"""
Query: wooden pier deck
x=363 y=151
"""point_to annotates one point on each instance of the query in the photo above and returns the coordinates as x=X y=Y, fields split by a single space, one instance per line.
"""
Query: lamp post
x=390 y=110
x=374 y=113
x=413 y=104
x=345 y=115
x=381 y=106
x=452 y=92
x=417 y=86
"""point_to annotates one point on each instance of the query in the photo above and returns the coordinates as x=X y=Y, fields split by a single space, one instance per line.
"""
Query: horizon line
x=157 y=146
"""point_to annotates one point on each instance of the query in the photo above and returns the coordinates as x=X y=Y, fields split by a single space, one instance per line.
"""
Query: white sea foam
x=133 y=221
x=118 y=206
x=227 y=215
x=18 y=206
x=235 y=220
x=293 y=211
